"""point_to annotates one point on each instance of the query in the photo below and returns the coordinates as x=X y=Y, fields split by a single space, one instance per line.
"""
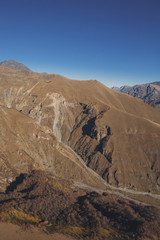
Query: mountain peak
x=14 y=65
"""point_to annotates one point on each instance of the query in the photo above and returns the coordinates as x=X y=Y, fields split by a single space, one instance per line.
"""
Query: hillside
x=78 y=160
x=55 y=205
x=115 y=135
x=25 y=145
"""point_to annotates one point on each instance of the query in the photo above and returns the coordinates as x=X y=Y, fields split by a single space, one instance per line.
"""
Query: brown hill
x=116 y=135
x=14 y=65
x=25 y=145
x=57 y=205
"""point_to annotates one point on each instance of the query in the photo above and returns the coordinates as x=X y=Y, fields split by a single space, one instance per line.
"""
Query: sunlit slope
x=25 y=145
x=116 y=135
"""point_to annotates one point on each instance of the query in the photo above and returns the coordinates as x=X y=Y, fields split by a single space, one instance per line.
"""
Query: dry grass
x=18 y=216
x=83 y=233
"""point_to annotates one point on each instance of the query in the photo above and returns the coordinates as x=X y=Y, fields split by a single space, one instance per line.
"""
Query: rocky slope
x=147 y=92
x=25 y=145
x=54 y=204
x=14 y=65
x=115 y=135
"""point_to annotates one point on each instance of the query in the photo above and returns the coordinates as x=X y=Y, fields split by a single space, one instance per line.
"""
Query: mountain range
x=149 y=92
x=73 y=154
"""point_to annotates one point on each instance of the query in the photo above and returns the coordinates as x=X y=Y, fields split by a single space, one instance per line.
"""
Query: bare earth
x=9 y=231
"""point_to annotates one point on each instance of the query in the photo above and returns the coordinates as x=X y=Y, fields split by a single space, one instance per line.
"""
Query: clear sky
x=114 y=41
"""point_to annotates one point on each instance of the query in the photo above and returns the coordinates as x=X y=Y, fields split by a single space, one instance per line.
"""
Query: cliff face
x=115 y=135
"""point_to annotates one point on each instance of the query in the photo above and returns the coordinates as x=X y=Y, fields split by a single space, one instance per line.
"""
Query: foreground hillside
x=115 y=135
x=17 y=232
x=56 y=205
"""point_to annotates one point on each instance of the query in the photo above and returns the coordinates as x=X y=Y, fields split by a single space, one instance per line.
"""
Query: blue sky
x=114 y=41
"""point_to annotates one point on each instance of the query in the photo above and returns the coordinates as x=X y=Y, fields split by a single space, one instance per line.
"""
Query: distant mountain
x=156 y=83
x=120 y=89
x=149 y=92
x=14 y=65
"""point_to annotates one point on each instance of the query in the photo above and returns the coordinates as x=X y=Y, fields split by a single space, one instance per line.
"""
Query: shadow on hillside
x=15 y=183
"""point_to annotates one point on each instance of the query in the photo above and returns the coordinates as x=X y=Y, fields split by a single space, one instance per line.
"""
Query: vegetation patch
x=56 y=205
x=18 y=216
x=84 y=233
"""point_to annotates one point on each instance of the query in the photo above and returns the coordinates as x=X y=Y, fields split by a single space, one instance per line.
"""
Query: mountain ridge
x=14 y=65
x=148 y=92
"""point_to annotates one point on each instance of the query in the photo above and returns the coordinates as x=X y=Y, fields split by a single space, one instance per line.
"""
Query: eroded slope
x=25 y=145
x=116 y=135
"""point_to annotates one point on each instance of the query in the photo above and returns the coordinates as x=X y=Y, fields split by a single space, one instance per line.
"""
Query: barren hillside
x=115 y=135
